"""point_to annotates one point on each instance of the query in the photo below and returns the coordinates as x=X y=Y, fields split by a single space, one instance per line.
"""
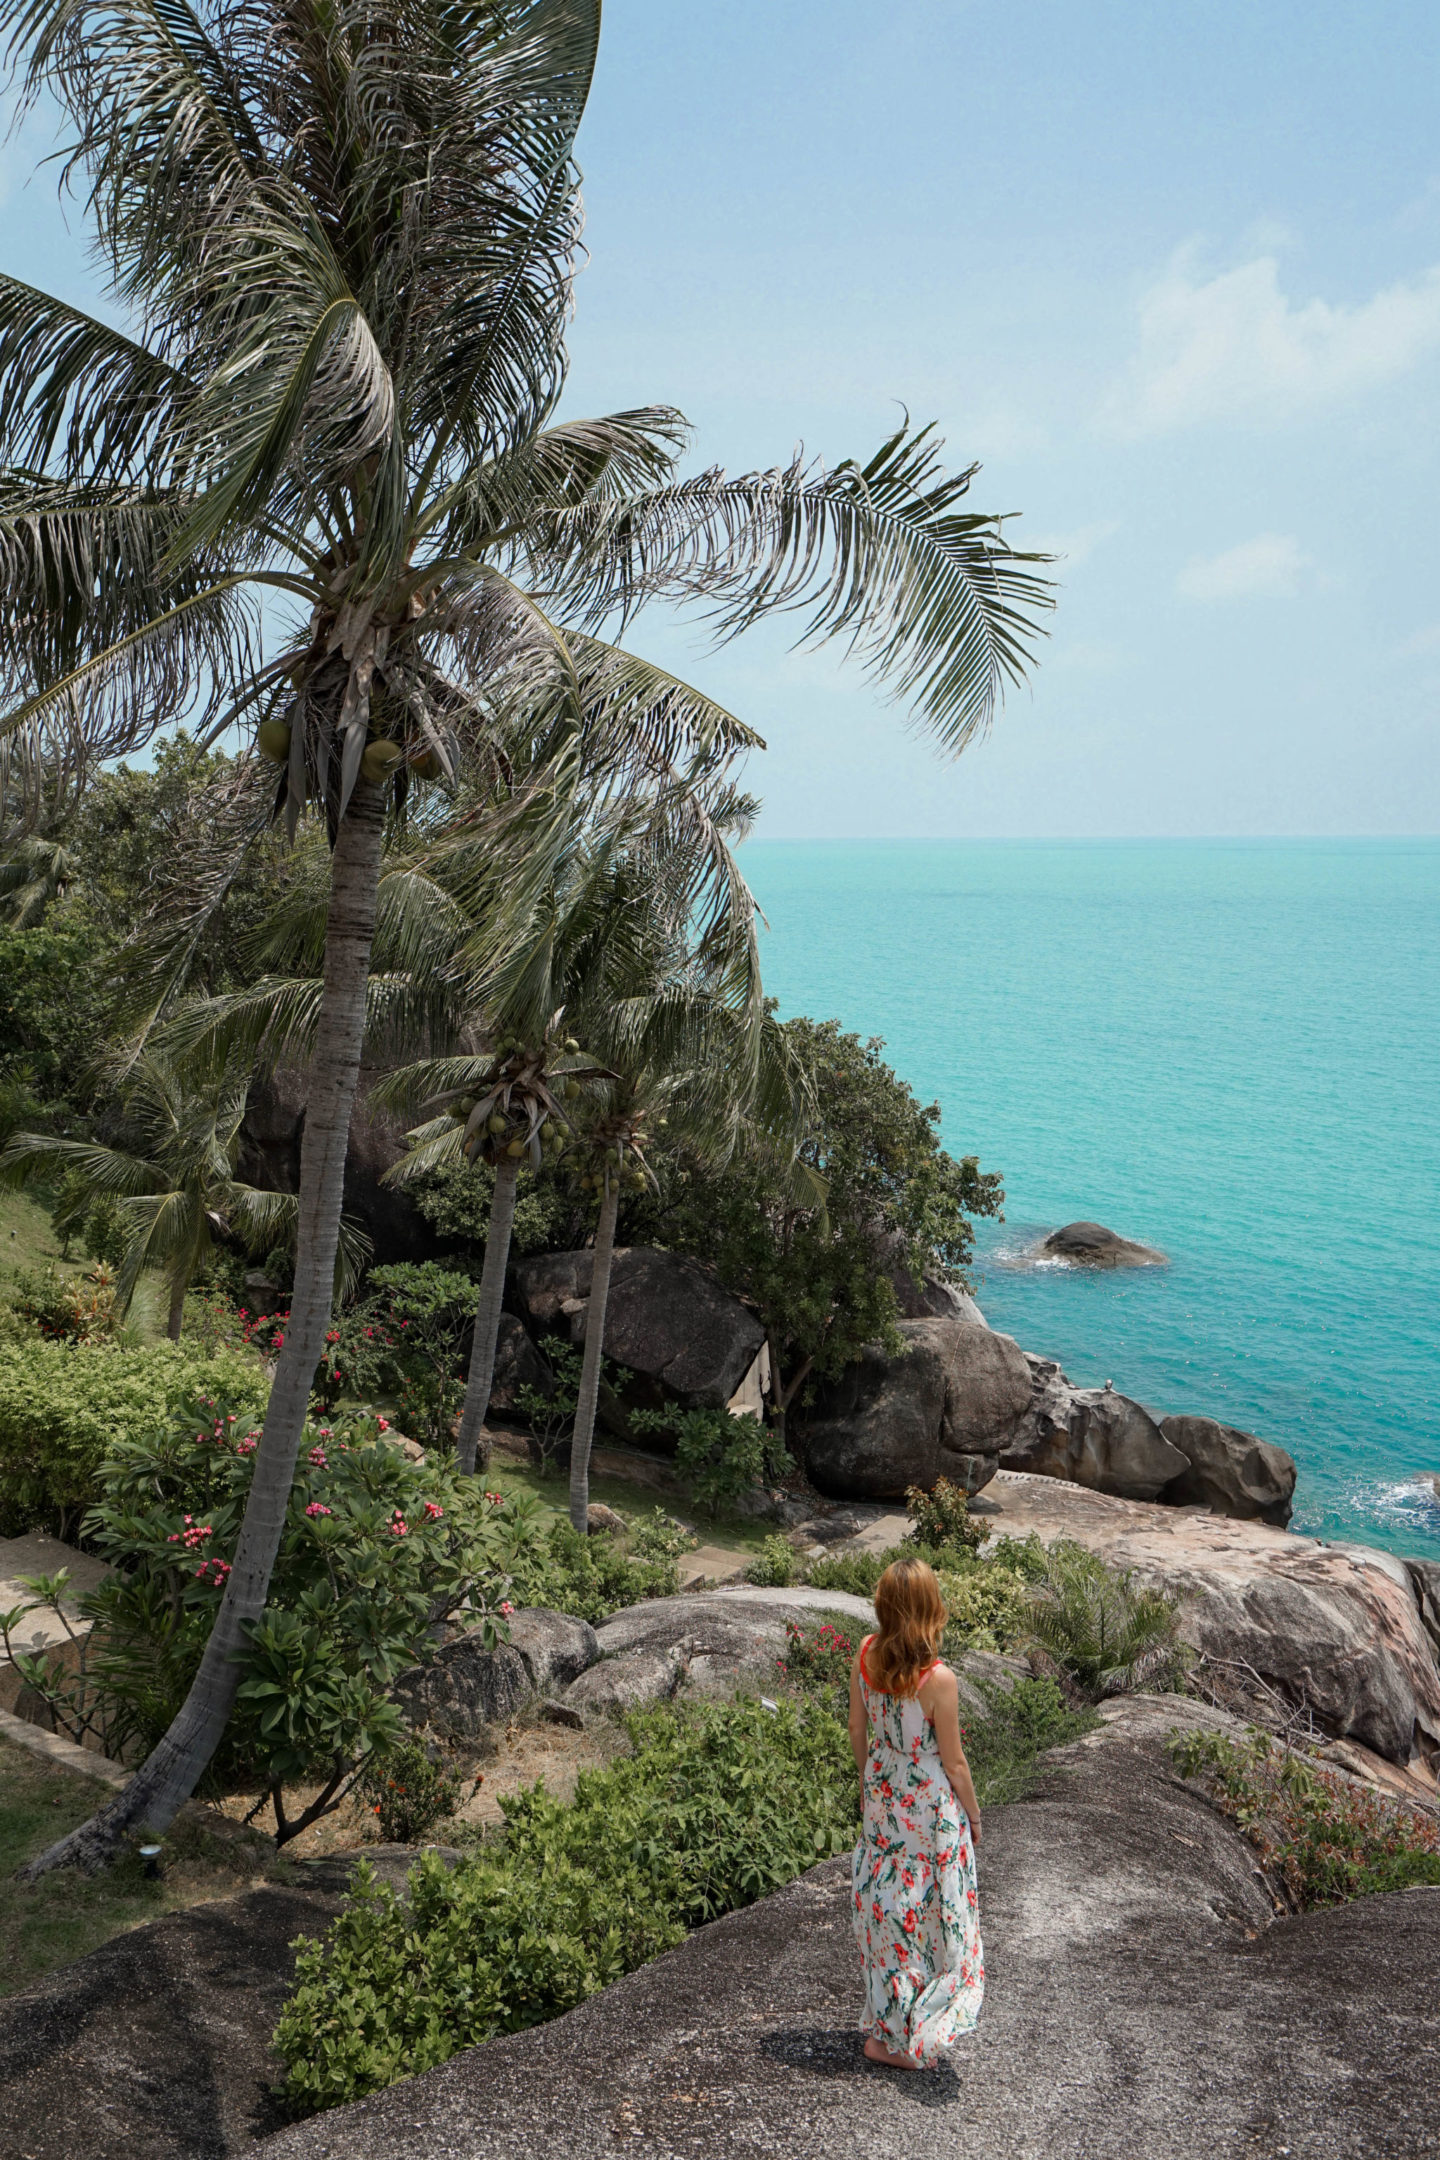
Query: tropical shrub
x=375 y=1552
x=403 y=1339
x=988 y=1606
x=408 y=1791
x=1101 y=1627
x=551 y=1417
x=589 y=1577
x=658 y=1536
x=713 y=1808
x=942 y=1518
x=719 y=1458
x=67 y=1308
x=1023 y=1721
x=775 y=1566
x=1323 y=1838
x=62 y=1409
x=818 y=1659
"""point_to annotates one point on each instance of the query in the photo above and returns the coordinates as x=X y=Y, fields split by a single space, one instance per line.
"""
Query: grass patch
x=741 y=1534
x=48 y=1924
x=27 y=1239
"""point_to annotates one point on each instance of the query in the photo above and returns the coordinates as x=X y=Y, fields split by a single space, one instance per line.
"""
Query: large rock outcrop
x=1142 y=2004
x=270 y=1137
x=1335 y=1630
x=667 y=1320
x=1092 y=1437
x=709 y=1643
x=947 y=1406
x=1090 y=1244
x=1230 y=1471
x=467 y=1687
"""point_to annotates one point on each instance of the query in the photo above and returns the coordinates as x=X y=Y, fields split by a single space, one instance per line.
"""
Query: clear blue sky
x=1172 y=274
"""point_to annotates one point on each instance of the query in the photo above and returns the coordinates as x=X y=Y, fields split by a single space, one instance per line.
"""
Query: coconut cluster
x=519 y=1112
x=381 y=757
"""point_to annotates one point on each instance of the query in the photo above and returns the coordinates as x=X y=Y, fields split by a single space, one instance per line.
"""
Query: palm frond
x=933 y=600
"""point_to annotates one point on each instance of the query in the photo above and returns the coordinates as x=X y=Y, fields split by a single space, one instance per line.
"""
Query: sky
x=1172 y=275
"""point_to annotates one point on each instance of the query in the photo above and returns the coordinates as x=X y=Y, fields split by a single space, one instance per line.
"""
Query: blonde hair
x=912 y=1617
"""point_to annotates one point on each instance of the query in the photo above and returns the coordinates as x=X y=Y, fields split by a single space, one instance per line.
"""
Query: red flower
x=910 y=1923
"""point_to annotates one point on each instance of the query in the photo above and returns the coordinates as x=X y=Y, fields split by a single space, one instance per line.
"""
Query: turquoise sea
x=1229 y=1049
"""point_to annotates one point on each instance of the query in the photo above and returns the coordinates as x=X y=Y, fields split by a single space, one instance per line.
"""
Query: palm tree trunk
x=481 y=1377
x=177 y=1310
x=170 y=1773
x=590 y=1364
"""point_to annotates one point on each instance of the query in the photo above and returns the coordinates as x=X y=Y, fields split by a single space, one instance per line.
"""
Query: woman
x=916 y=1913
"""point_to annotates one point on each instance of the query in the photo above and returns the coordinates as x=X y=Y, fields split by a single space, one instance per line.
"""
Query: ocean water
x=1227 y=1049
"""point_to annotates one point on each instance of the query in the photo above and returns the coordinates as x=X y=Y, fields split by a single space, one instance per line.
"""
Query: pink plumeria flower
x=506 y=1607
x=317 y=1507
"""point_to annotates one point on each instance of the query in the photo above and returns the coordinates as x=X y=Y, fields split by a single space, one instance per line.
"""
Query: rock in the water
x=1335 y=1629
x=1093 y=1437
x=1230 y=1472
x=468 y=1687
x=1090 y=1244
x=1141 y=2007
x=945 y=1407
x=667 y=1319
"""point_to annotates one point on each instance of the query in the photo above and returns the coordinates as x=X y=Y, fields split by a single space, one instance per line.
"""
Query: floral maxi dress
x=917 y=1916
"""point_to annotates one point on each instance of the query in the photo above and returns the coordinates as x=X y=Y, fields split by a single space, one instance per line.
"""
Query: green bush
x=715 y=1807
x=1024 y=1721
x=719 y=1458
x=776 y=1566
x=988 y=1605
x=62 y=1409
x=1325 y=1840
x=409 y=1791
x=403 y=1339
x=942 y=1518
x=589 y=1577
x=658 y=1536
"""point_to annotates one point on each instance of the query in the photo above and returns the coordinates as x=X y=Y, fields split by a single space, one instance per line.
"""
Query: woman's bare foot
x=877 y=2052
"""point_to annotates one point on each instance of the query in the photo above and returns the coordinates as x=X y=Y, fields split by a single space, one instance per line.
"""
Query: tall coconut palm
x=346 y=235
x=685 y=1060
x=175 y=1189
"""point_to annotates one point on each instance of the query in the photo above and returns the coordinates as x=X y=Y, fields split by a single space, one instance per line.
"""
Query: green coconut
x=272 y=739
x=426 y=765
x=380 y=759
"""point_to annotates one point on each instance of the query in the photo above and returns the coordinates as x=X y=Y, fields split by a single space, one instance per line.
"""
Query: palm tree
x=177 y=1190
x=515 y=1101
x=36 y=870
x=347 y=235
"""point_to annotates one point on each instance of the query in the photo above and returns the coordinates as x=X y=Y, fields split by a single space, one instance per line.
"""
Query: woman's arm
x=859 y=1724
x=940 y=1700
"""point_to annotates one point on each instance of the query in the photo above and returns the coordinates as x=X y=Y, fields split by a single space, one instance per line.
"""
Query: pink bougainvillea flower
x=317 y=1457
x=318 y=1507
x=506 y=1607
x=383 y=1423
x=434 y=1510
